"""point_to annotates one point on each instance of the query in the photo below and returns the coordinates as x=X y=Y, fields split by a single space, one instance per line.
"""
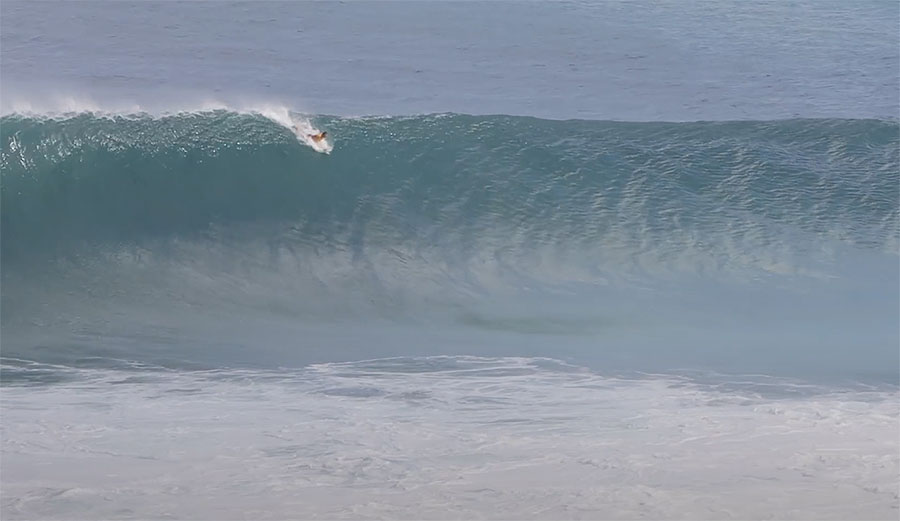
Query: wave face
x=506 y=184
x=214 y=207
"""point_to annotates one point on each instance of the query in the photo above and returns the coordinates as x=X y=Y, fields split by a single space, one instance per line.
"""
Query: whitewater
x=562 y=261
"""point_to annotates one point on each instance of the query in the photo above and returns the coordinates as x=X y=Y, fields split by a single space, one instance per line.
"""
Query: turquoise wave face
x=508 y=183
x=219 y=238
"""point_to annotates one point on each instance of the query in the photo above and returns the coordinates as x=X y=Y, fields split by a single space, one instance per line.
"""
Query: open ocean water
x=564 y=260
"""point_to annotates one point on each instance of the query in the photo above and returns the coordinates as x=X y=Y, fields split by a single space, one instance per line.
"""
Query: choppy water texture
x=485 y=311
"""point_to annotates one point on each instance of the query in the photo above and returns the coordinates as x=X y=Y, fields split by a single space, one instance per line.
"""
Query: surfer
x=317 y=138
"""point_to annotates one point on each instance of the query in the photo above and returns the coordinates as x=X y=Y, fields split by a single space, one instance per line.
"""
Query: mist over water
x=682 y=305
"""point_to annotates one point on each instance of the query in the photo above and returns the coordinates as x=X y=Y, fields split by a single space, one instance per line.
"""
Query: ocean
x=568 y=260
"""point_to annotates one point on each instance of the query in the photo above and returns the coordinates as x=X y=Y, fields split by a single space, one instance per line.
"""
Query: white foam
x=449 y=437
